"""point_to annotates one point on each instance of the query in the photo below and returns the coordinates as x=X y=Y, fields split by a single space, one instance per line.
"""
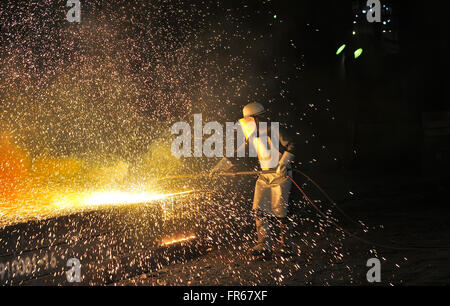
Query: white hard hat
x=253 y=109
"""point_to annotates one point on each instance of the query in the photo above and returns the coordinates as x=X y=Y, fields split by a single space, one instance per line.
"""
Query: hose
x=327 y=197
x=356 y=236
x=232 y=174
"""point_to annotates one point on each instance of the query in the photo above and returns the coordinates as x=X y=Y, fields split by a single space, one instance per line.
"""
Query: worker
x=272 y=189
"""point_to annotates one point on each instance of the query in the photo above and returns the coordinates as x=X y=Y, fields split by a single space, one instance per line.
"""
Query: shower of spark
x=85 y=109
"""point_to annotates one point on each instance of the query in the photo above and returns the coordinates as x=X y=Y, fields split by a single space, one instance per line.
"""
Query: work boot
x=261 y=251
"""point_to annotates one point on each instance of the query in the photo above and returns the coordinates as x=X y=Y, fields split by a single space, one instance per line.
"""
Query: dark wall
x=380 y=98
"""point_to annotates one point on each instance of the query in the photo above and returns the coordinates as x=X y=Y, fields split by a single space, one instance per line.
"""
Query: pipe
x=195 y=175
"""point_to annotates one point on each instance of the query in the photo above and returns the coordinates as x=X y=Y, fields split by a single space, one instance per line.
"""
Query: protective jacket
x=272 y=190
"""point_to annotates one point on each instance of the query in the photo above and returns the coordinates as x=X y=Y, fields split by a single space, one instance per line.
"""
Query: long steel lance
x=195 y=175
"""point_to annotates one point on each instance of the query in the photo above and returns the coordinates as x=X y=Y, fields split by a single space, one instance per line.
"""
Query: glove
x=282 y=170
x=284 y=163
x=223 y=165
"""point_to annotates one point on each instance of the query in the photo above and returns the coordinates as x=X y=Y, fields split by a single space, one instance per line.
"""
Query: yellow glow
x=63 y=203
x=248 y=125
x=120 y=197
x=173 y=241
x=109 y=198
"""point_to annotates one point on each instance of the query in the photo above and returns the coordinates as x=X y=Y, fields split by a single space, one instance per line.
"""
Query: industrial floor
x=411 y=219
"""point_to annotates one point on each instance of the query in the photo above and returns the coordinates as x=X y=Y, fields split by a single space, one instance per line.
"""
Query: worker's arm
x=225 y=163
x=287 y=143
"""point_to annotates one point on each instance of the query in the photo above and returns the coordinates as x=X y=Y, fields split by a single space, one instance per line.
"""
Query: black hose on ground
x=348 y=217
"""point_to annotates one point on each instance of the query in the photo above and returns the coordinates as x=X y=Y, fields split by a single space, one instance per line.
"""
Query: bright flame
x=64 y=203
x=92 y=200
x=169 y=242
x=119 y=197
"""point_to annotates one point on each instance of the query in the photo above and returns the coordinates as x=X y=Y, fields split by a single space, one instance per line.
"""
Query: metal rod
x=245 y=173
x=195 y=175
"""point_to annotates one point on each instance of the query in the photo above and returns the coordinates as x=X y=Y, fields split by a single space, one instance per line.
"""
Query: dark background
x=390 y=101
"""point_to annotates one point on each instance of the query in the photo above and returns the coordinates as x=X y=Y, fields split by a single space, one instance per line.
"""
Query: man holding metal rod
x=273 y=186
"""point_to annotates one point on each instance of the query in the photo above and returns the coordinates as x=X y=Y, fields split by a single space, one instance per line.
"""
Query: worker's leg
x=280 y=207
x=261 y=206
x=263 y=231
